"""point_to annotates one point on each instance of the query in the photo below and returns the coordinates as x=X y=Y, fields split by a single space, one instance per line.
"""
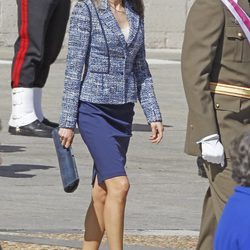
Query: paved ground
x=166 y=193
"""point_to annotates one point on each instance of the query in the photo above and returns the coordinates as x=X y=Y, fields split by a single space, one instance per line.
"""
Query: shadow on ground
x=144 y=127
x=15 y=170
x=11 y=149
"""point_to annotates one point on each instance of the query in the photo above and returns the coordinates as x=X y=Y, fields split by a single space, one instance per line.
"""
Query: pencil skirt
x=106 y=130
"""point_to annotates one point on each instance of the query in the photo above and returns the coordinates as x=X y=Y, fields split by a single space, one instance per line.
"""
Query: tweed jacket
x=115 y=71
x=215 y=49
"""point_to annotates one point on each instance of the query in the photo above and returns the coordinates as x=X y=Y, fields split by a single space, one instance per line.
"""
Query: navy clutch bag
x=67 y=164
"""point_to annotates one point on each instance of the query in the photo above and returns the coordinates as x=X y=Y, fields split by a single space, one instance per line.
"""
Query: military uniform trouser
x=233 y=120
x=41 y=26
x=221 y=186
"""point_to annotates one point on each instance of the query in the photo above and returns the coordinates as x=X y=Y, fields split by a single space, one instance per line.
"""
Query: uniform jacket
x=215 y=49
x=116 y=71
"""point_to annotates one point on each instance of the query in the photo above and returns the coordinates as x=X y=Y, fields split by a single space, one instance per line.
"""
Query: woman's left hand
x=157 y=132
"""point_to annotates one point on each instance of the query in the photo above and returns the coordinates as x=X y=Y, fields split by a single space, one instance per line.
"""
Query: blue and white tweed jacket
x=102 y=67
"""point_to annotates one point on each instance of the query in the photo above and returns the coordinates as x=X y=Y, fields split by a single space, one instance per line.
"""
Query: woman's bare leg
x=94 y=220
x=114 y=210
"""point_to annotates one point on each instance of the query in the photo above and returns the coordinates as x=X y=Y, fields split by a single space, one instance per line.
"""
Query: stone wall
x=164 y=22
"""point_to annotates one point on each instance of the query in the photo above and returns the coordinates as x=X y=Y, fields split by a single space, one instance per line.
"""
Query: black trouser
x=41 y=25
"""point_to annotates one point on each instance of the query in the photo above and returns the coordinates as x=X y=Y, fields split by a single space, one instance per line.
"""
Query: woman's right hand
x=66 y=136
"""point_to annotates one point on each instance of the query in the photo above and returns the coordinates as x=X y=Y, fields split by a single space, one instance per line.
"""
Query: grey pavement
x=166 y=194
x=64 y=243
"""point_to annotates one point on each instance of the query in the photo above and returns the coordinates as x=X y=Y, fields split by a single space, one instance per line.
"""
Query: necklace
x=120 y=11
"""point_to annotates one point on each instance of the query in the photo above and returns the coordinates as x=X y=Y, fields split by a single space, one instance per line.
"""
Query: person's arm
x=79 y=38
x=146 y=94
x=203 y=31
x=145 y=89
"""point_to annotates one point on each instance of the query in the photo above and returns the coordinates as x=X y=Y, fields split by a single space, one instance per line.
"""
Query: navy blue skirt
x=106 y=130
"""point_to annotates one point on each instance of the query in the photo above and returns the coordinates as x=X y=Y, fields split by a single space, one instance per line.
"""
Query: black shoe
x=36 y=128
x=49 y=123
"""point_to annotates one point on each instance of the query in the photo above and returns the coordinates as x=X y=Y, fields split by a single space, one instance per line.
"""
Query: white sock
x=38 y=103
x=23 y=111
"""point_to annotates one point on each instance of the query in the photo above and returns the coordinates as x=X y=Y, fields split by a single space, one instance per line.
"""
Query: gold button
x=217 y=105
x=240 y=35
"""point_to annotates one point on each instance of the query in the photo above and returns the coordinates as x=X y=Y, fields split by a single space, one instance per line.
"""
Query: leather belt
x=231 y=90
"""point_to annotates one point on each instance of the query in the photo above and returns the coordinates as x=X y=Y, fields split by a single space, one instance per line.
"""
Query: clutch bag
x=67 y=164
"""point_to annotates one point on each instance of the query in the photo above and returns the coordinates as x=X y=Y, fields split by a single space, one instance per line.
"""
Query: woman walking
x=107 y=40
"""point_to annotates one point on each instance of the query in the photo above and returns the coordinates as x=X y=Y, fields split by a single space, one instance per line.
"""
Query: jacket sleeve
x=145 y=89
x=79 y=39
x=204 y=27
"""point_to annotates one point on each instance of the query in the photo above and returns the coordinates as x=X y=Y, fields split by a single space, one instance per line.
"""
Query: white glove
x=212 y=149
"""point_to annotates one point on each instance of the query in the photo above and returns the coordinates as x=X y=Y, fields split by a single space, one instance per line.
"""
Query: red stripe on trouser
x=24 y=43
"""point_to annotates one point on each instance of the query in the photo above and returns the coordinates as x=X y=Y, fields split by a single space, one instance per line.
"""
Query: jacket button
x=121 y=73
x=217 y=105
x=240 y=35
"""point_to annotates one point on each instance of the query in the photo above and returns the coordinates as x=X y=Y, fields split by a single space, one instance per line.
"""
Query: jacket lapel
x=134 y=22
x=109 y=20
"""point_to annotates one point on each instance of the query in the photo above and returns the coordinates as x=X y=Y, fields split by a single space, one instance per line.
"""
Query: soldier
x=216 y=78
x=41 y=26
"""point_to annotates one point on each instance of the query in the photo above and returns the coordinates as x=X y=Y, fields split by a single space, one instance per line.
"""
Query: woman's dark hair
x=137 y=5
x=240 y=155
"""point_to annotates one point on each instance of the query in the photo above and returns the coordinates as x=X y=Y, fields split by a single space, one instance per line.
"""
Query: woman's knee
x=118 y=187
x=99 y=194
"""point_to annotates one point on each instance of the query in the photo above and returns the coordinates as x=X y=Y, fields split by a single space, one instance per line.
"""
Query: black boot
x=36 y=128
x=49 y=123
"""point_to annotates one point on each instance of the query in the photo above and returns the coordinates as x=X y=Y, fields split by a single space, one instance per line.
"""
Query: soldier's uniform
x=41 y=26
x=41 y=29
x=215 y=59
